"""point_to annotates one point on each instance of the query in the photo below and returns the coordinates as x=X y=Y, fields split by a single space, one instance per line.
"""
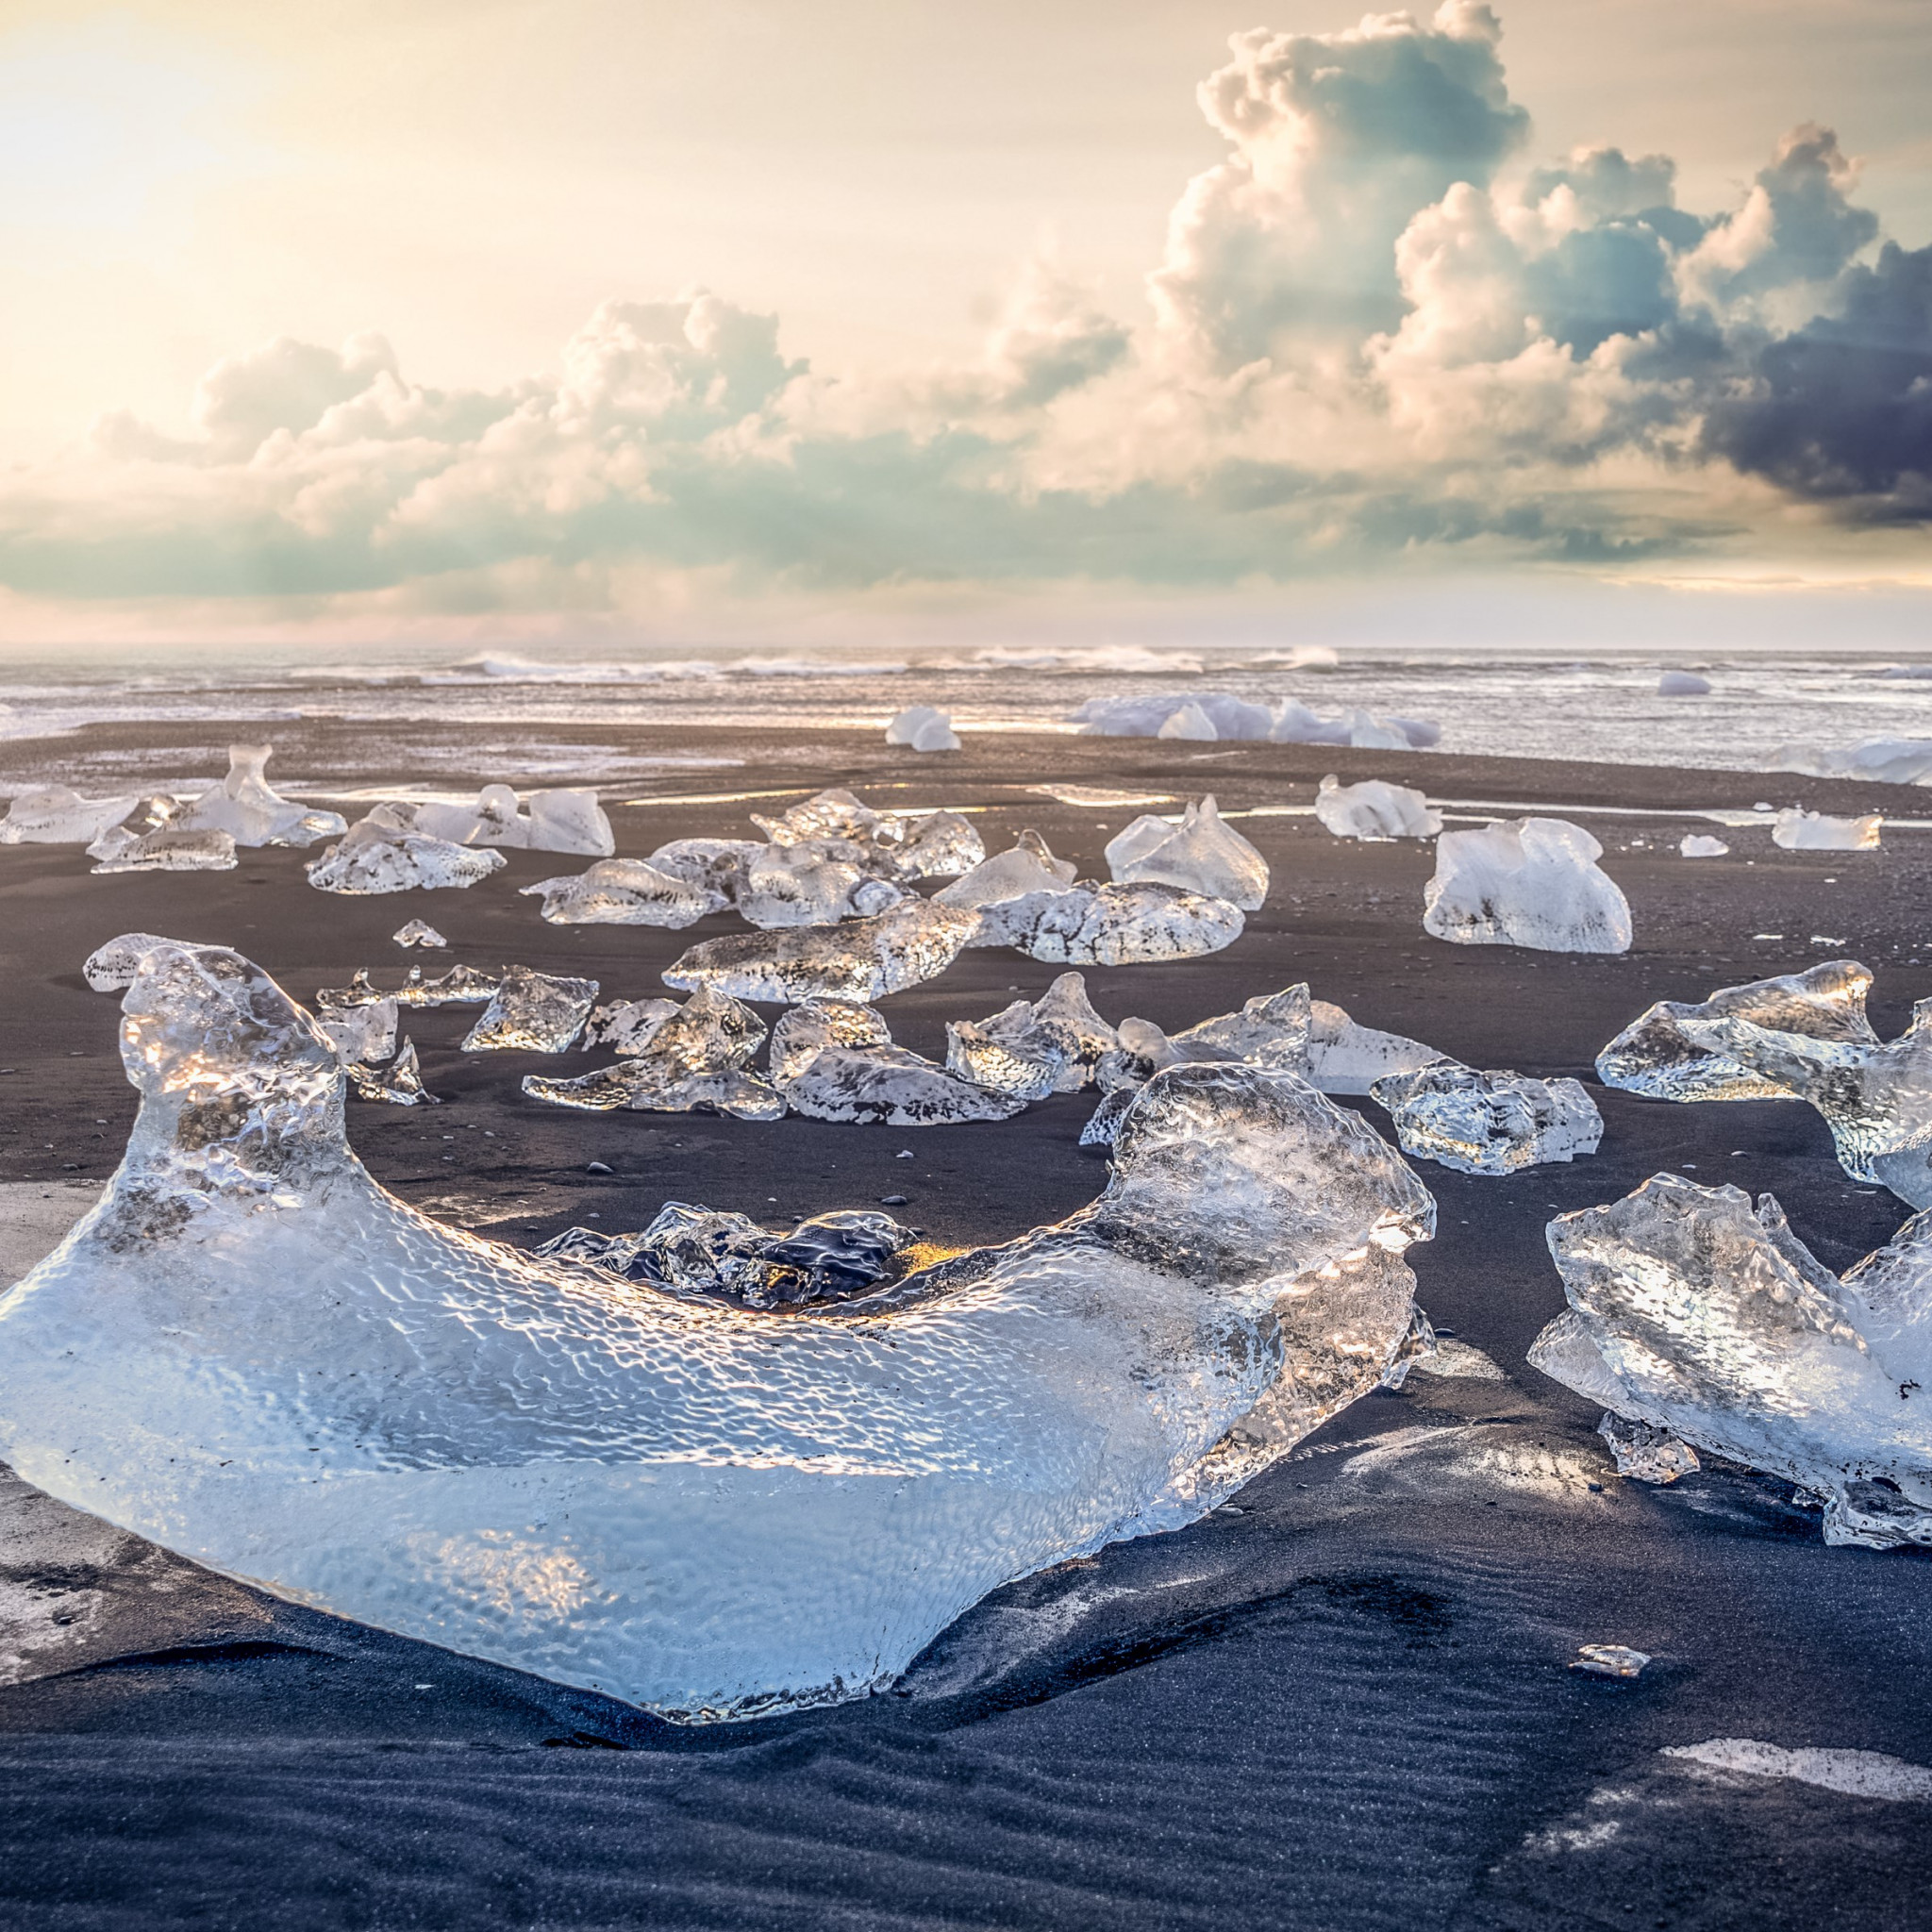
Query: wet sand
x=1346 y=1705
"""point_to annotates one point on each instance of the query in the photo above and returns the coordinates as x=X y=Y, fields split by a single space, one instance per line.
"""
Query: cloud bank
x=1382 y=334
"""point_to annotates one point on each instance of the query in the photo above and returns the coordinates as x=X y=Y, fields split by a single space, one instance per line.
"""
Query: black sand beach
x=1343 y=1701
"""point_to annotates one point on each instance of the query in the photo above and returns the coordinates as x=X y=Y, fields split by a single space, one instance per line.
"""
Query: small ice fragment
x=245 y=806
x=598 y=1167
x=922 y=728
x=1200 y=855
x=1488 y=1122
x=1190 y=721
x=1345 y=1057
x=693 y=1060
x=835 y=1060
x=1646 y=1455
x=1455 y=1360
x=1375 y=811
x=1702 y=846
x=1682 y=684
x=532 y=1012
x=418 y=932
x=903 y=1154
x=1610 y=1660
x=57 y=815
x=627 y=1027
x=623 y=892
x=400 y=1082
x=1534 y=882
x=1656 y=1056
x=111 y=967
x=863 y=960
x=379 y=854
x=1798 y=830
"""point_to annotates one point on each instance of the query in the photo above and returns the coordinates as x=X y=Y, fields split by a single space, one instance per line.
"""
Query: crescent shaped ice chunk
x=256 y=1355
x=58 y=815
x=1374 y=809
x=380 y=854
x=244 y=806
x=623 y=892
x=1656 y=1056
x=1704 y=1316
x=835 y=1060
x=684 y=1060
x=860 y=959
x=1532 y=882
x=110 y=968
x=1797 y=830
x=1488 y=1122
x=1200 y=855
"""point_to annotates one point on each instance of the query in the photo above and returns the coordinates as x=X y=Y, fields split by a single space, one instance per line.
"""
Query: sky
x=624 y=323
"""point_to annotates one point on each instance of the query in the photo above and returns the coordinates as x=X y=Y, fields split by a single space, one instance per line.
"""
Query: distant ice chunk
x=693 y=1058
x=532 y=1012
x=1702 y=846
x=1375 y=811
x=1798 y=830
x=863 y=960
x=714 y=1511
x=57 y=815
x=399 y=1083
x=1191 y=722
x=623 y=892
x=1295 y=723
x=1200 y=855
x=244 y=806
x=1488 y=1122
x=625 y=1026
x=111 y=967
x=1054 y=1044
x=1879 y=760
x=1114 y=926
x=1227 y=717
x=922 y=728
x=1706 y=1318
x=1682 y=684
x=562 y=821
x=835 y=1060
x=416 y=932
x=1646 y=1455
x=1345 y=1057
x=1655 y=1055
x=1532 y=882
x=379 y=854
x=1611 y=1660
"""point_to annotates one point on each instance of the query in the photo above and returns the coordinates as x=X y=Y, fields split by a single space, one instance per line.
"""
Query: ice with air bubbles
x=418 y=932
x=252 y=1353
x=835 y=1060
x=1488 y=1122
x=384 y=853
x=1531 y=882
x=860 y=959
x=1032 y=1048
x=1701 y=1316
x=623 y=892
x=1112 y=925
x=58 y=815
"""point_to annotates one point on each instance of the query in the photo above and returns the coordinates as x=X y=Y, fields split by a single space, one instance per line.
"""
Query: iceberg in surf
x=922 y=728
x=1216 y=716
x=1682 y=684
x=1200 y=854
x=1488 y=1122
x=383 y=853
x=863 y=960
x=1703 y=1317
x=623 y=892
x=252 y=1353
x=245 y=806
x=1798 y=830
x=835 y=1060
x=683 y=1059
x=1531 y=882
x=1880 y=760
x=1375 y=811
x=58 y=815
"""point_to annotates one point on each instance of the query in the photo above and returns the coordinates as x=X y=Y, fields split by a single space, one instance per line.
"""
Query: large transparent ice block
x=256 y=1355
x=1202 y=854
x=1531 y=882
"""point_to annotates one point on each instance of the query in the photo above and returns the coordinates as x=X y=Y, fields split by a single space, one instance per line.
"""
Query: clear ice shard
x=900 y=846
x=416 y=932
x=532 y=1012
x=110 y=968
x=692 y=1058
x=1656 y=1054
x=147 y=840
x=556 y=821
x=1488 y=1122
x=1702 y=846
x=382 y=854
x=400 y=1082
x=861 y=959
x=1532 y=882
x=715 y=865
x=362 y=1033
x=244 y=806
x=1345 y=1057
x=922 y=728
x=1200 y=855
x=58 y=815
x=1702 y=1316
x=256 y=1355
x=625 y=1026
x=698 y=1253
x=1798 y=830
x=624 y=891
x=1028 y=867
x=835 y=1060
x=1374 y=809
x=1053 y=1044
x=811 y=884
x=1111 y=926
x=1646 y=1455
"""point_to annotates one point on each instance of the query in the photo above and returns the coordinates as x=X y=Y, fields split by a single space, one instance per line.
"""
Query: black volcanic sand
x=1343 y=1701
